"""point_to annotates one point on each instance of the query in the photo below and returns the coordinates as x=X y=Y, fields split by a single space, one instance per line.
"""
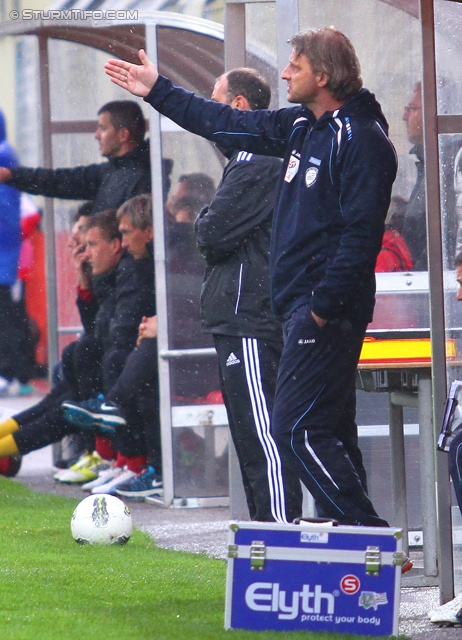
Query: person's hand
x=184 y=215
x=5 y=174
x=137 y=79
x=147 y=328
x=82 y=266
x=319 y=321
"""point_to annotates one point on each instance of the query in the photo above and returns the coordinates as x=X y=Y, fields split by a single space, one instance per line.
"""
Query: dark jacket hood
x=361 y=105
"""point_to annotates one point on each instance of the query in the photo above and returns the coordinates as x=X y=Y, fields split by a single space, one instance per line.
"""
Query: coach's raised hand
x=138 y=79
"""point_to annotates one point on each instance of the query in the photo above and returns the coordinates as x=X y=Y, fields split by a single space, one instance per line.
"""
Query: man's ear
x=116 y=245
x=323 y=79
x=124 y=135
x=240 y=102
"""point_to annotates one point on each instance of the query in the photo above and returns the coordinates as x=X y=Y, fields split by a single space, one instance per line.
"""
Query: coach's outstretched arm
x=138 y=79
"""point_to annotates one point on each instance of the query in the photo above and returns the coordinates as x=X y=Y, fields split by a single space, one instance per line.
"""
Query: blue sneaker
x=147 y=483
x=94 y=413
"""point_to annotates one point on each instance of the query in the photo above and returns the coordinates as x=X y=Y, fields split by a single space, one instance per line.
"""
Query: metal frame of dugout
x=433 y=377
x=396 y=359
x=124 y=40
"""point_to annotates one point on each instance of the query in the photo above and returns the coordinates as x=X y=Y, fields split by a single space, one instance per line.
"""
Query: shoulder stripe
x=339 y=133
x=244 y=156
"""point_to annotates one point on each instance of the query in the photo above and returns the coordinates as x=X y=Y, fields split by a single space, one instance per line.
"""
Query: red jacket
x=394 y=254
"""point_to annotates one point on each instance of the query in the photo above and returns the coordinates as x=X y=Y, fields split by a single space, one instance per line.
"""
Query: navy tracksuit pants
x=314 y=415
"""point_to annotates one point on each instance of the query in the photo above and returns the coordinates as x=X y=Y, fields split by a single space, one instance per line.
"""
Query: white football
x=101 y=519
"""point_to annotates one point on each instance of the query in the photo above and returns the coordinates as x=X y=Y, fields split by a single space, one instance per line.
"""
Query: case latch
x=373 y=561
x=257 y=555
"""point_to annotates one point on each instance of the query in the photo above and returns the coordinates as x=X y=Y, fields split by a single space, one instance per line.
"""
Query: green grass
x=53 y=589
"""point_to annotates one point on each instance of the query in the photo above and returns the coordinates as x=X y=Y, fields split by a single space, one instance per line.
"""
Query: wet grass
x=53 y=589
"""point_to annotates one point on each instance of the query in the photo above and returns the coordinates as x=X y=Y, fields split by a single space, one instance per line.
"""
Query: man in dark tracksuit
x=233 y=234
x=333 y=196
x=120 y=134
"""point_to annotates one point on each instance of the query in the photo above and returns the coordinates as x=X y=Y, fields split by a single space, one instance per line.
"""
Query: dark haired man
x=333 y=196
x=120 y=134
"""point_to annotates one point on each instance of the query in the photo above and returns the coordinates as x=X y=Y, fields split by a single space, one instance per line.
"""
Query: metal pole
x=235 y=43
x=398 y=468
x=437 y=324
x=427 y=474
x=288 y=23
x=48 y=218
x=161 y=283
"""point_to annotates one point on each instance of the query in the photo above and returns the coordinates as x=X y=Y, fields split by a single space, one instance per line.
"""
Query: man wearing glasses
x=415 y=225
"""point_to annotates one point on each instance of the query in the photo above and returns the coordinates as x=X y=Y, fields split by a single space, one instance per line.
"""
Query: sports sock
x=103 y=447
x=136 y=463
x=121 y=460
x=8 y=446
x=8 y=426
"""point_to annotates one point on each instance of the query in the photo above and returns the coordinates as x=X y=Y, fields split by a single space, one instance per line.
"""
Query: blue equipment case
x=313 y=577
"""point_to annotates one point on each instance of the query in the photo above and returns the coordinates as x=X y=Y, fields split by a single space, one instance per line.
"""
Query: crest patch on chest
x=311 y=176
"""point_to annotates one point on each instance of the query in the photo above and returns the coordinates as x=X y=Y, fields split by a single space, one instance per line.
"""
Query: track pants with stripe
x=314 y=415
x=248 y=371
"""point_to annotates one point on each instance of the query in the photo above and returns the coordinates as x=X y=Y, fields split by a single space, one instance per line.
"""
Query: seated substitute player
x=137 y=385
x=111 y=323
x=76 y=445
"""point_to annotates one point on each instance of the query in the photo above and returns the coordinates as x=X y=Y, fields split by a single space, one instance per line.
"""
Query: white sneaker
x=449 y=613
x=109 y=487
x=103 y=477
